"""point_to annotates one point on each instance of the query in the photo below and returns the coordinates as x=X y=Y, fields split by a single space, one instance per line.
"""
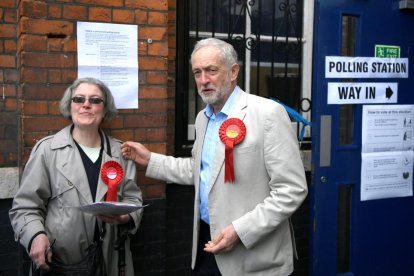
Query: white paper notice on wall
x=109 y=52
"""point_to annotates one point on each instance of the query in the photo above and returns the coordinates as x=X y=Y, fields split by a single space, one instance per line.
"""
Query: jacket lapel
x=71 y=165
x=201 y=131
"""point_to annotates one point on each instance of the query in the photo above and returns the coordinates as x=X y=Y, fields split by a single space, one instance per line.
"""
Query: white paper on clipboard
x=110 y=208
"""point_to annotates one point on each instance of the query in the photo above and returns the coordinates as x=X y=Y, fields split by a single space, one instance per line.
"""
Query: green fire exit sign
x=387 y=51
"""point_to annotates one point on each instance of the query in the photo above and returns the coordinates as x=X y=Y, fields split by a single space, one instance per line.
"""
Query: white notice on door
x=387 y=151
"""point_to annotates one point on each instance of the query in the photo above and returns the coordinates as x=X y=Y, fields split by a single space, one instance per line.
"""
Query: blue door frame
x=373 y=237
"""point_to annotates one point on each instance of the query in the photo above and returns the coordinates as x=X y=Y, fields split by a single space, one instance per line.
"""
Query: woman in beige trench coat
x=63 y=171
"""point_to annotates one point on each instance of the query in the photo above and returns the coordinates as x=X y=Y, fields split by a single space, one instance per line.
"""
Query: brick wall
x=38 y=60
x=8 y=85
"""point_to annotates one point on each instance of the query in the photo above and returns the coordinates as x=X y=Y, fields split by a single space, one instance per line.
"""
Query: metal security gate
x=268 y=36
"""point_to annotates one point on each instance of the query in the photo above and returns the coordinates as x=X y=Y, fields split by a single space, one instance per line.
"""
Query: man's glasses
x=78 y=99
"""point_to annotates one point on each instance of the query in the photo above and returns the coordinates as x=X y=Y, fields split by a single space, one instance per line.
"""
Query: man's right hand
x=137 y=152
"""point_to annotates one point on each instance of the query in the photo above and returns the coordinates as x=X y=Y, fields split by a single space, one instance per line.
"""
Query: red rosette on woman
x=231 y=132
x=112 y=174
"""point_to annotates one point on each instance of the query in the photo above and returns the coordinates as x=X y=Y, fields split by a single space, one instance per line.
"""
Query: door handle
x=325 y=142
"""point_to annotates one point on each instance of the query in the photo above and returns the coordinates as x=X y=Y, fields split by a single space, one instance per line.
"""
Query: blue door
x=350 y=236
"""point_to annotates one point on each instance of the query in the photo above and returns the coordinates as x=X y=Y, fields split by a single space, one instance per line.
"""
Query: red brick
x=54 y=108
x=153 y=63
x=43 y=92
x=30 y=138
x=142 y=77
x=114 y=123
x=10 y=16
x=7 y=61
x=32 y=43
x=123 y=16
x=44 y=26
x=142 y=48
x=35 y=108
x=126 y=111
x=157 y=147
x=157 y=18
x=109 y=3
x=100 y=14
x=145 y=121
x=69 y=75
x=54 y=76
x=140 y=135
x=54 y=45
x=172 y=18
x=153 y=92
x=171 y=89
x=32 y=8
x=7 y=3
x=172 y=4
x=8 y=90
x=157 y=77
x=74 y=12
x=158 y=49
x=43 y=60
x=44 y=123
x=157 y=134
x=7 y=30
x=10 y=46
x=69 y=44
x=6 y=145
x=153 y=106
x=172 y=53
x=155 y=33
x=141 y=17
x=11 y=75
x=123 y=135
x=10 y=104
x=147 y=4
x=33 y=75
x=54 y=11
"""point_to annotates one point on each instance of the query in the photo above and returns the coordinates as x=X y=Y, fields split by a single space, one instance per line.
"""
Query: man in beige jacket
x=246 y=168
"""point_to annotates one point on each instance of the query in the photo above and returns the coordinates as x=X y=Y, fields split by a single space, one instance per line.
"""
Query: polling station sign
x=365 y=67
x=362 y=93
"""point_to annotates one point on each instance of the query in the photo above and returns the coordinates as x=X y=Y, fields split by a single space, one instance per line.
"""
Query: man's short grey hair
x=109 y=102
x=227 y=53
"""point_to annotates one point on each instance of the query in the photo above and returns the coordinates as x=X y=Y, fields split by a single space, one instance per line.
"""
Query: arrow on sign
x=388 y=92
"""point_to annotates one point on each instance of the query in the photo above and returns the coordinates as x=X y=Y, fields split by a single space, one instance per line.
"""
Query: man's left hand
x=225 y=241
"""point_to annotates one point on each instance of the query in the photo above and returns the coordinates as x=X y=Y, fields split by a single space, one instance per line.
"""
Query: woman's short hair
x=228 y=54
x=109 y=102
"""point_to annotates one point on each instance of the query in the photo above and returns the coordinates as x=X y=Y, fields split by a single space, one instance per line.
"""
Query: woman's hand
x=120 y=219
x=38 y=251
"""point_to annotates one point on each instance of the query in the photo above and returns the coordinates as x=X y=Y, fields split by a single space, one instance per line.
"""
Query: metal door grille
x=267 y=36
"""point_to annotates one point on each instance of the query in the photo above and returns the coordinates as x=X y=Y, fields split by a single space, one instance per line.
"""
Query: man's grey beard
x=218 y=95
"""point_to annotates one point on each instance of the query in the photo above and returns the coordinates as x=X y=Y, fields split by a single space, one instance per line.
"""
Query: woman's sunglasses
x=78 y=99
